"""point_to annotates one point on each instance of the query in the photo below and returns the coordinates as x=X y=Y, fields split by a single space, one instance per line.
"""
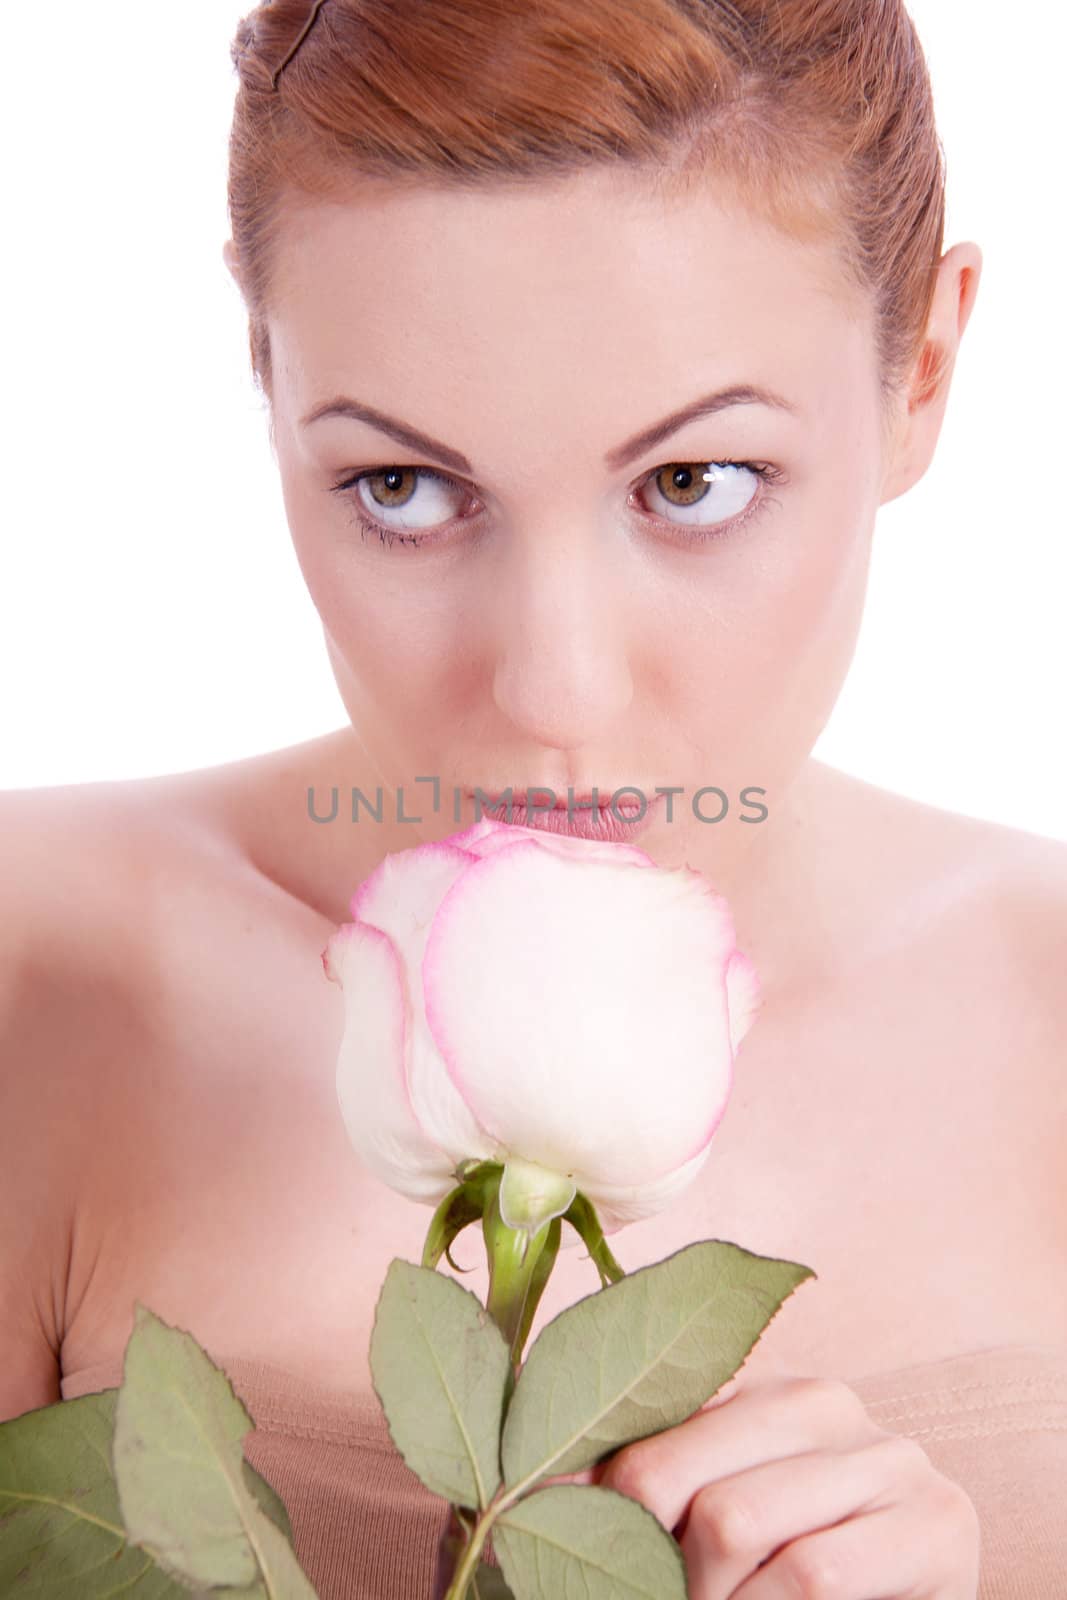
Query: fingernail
x=725 y=1392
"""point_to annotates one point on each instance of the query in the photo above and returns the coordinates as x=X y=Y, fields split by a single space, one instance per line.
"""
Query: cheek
x=813 y=616
x=386 y=635
x=398 y=660
x=396 y=650
x=800 y=654
x=764 y=641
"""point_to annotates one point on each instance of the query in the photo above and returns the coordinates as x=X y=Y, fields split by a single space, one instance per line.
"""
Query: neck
x=773 y=873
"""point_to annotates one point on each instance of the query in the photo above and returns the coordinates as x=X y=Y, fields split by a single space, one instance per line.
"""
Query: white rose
x=544 y=1000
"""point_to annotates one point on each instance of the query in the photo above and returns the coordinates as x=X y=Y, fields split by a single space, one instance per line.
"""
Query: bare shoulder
x=981 y=897
x=1029 y=901
x=94 y=878
x=72 y=855
x=260 y=807
x=84 y=922
x=83 y=867
x=123 y=921
x=1019 y=1025
x=1013 y=889
x=105 y=882
x=72 y=858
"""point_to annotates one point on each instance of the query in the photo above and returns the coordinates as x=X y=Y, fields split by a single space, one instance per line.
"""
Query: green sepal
x=538 y=1278
x=583 y=1219
x=516 y=1274
x=473 y=1166
x=463 y=1205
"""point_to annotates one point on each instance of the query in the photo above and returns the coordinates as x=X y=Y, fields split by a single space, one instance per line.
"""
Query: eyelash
x=692 y=534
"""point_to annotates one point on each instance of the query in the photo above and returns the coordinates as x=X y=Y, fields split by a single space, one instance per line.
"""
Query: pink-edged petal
x=618 y=1205
x=477 y=837
x=488 y=836
x=594 y=1035
x=613 y=852
x=371 y=1087
x=742 y=995
x=437 y=1102
x=401 y=898
x=404 y=890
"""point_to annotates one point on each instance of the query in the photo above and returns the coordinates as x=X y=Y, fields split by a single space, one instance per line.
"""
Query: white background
x=152 y=614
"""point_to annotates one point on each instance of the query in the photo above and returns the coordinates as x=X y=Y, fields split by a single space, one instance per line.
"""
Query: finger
x=917 y=1548
x=595 y=1474
x=760 y=1423
x=724 y=1392
x=589 y=1475
x=735 y=1524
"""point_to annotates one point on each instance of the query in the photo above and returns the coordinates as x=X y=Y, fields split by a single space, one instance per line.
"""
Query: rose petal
x=370 y=1079
x=401 y=897
x=487 y=836
x=596 y=1045
x=405 y=888
x=483 y=830
x=617 y=1205
x=742 y=994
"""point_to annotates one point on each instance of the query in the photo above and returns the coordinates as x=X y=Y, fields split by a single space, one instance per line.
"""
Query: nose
x=562 y=676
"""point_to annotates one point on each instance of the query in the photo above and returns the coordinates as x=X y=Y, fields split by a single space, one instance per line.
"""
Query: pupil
x=682 y=478
x=392 y=479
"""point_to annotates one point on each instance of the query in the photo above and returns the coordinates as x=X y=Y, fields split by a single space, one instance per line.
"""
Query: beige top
x=365 y=1528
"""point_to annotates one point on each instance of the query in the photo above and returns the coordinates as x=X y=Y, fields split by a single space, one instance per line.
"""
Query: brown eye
x=421 y=501
x=704 y=493
x=393 y=487
x=681 y=485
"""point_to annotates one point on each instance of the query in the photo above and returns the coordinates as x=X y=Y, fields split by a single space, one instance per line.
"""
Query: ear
x=229 y=256
x=923 y=405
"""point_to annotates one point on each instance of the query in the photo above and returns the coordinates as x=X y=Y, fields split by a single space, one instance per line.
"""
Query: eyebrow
x=737 y=395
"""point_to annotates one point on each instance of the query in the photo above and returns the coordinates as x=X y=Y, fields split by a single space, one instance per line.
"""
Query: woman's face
x=598 y=598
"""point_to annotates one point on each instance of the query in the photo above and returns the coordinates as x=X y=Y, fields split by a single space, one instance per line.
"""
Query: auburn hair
x=818 y=113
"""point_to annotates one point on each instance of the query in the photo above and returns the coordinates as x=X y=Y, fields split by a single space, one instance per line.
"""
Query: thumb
x=593 y=1475
x=724 y=1392
x=588 y=1476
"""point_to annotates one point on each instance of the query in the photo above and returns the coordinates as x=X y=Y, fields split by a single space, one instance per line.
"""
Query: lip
x=603 y=792
x=618 y=823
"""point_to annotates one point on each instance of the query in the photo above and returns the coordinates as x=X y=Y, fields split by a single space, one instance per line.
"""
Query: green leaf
x=440 y=1365
x=183 y=1483
x=639 y=1356
x=487 y=1583
x=570 y=1539
x=270 y=1501
x=61 y=1529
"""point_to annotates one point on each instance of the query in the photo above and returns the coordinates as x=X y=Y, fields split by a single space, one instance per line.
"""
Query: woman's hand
x=783 y=1488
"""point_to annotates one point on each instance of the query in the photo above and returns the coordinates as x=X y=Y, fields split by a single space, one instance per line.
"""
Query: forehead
x=533 y=296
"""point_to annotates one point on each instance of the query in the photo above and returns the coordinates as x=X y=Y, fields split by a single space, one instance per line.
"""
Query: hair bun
x=272 y=33
x=245 y=45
